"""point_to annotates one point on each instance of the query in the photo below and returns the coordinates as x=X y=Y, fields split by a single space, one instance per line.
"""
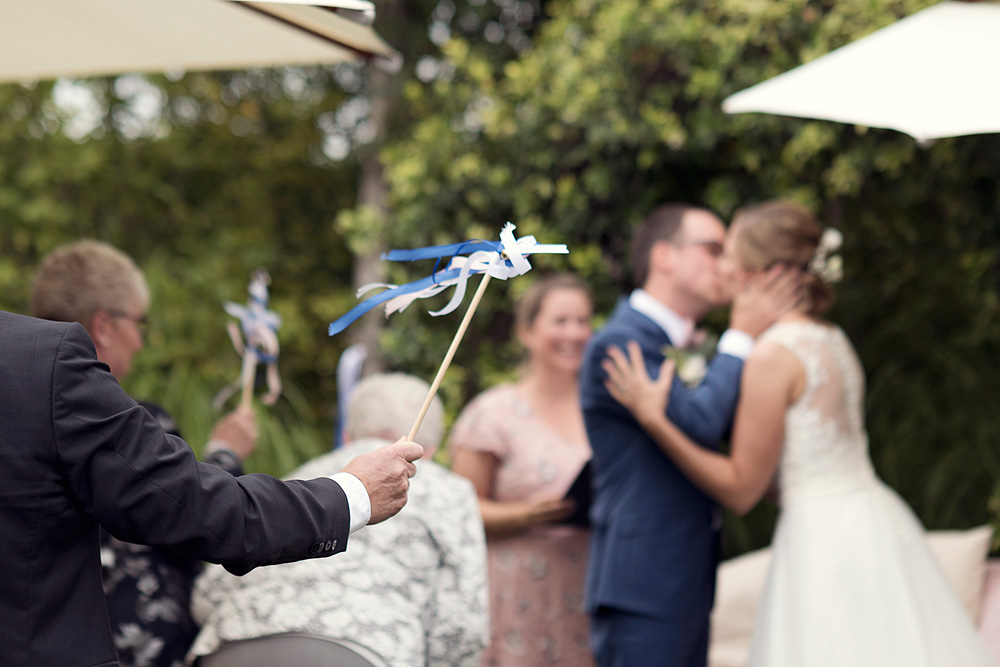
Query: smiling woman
x=522 y=445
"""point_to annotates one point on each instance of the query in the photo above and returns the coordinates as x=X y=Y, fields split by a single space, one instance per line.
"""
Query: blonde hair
x=782 y=232
x=76 y=280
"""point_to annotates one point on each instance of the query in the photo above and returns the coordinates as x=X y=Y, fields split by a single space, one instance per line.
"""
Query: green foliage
x=231 y=177
x=616 y=108
x=288 y=432
x=230 y=172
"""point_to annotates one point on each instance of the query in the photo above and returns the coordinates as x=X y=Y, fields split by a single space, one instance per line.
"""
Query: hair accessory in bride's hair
x=826 y=263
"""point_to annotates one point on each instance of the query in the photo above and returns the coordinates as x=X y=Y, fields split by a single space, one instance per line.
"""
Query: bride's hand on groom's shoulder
x=765 y=298
x=628 y=383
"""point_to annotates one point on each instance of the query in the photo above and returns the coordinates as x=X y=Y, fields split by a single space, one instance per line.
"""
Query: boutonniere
x=692 y=360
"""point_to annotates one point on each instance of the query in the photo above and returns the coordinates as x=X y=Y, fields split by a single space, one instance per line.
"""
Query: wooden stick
x=451 y=353
x=249 y=361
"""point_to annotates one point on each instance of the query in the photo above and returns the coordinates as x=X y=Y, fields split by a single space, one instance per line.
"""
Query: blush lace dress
x=852 y=582
x=535 y=577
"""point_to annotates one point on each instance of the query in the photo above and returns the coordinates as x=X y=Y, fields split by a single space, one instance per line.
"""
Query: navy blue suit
x=654 y=546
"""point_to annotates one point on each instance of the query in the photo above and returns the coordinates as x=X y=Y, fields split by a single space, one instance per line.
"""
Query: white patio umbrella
x=43 y=39
x=931 y=75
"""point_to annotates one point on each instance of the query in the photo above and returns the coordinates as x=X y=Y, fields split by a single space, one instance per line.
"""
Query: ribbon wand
x=504 y=259
x=258 y=327
x=476 y=298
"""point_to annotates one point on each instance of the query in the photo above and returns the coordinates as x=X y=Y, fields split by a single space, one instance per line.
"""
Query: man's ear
x=100 y=328
x=661 y=257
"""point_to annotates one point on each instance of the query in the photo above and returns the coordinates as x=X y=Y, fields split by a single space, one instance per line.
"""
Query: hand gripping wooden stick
x=451 y=353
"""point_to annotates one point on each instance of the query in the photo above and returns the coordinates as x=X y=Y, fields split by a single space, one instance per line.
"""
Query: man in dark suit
x=654 y=546
x=76 y=451
x=147 y=589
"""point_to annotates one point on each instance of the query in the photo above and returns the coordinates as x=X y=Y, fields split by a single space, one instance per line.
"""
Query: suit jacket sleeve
x=146 y=486
x=705 y=412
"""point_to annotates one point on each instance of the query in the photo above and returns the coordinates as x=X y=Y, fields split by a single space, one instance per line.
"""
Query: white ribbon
x=515 y=251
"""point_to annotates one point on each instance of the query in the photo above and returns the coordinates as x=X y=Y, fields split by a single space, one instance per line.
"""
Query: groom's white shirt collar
x=677 y=328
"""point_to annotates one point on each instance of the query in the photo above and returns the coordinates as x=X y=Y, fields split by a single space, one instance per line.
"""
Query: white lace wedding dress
x=852 y=582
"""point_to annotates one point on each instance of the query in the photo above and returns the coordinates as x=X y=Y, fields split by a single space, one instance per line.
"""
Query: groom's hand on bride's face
x=765 y=298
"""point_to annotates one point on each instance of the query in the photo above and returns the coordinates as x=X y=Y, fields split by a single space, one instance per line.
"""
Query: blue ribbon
x=476 y=247
x=449 y=250
x=348 y=318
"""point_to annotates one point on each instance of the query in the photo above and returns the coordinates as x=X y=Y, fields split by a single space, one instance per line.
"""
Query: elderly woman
x=407 y=592
x=523 y=444
x=147 y=589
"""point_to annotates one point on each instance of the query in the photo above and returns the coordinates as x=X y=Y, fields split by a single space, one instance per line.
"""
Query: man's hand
x=765 y=299
x=236 y=432
x=386 y=474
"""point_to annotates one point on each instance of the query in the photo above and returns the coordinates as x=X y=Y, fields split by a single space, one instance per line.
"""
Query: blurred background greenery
x=570 y=118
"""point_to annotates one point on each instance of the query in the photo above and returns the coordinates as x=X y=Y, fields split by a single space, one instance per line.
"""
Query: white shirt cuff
x=357 y=499
x=735 y=343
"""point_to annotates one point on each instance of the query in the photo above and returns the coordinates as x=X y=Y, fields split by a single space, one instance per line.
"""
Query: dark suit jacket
x=653 y=547
x=76 y=451
x=147 y=589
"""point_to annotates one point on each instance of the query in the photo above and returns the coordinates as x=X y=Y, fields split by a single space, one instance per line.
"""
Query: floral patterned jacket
x=411 y=589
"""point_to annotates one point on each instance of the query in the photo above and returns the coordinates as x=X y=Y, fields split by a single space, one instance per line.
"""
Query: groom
x=654 y=546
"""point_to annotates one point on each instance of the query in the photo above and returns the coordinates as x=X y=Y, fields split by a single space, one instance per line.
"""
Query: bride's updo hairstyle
x=782 y=232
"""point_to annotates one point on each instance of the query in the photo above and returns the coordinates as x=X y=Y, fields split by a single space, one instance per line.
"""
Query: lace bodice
x=826 y=447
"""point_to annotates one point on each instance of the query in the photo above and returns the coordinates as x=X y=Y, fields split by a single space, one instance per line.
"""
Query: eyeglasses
x=713 y=248
x=141 y=323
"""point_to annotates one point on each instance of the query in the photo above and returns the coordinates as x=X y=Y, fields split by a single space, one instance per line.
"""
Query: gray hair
x=76 y=280
x=385 y=405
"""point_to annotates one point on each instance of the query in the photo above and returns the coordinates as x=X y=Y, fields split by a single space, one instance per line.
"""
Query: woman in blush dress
x=852 y=581
x=522 y=445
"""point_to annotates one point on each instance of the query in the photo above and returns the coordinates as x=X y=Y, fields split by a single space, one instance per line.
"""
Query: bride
x=852 y=582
